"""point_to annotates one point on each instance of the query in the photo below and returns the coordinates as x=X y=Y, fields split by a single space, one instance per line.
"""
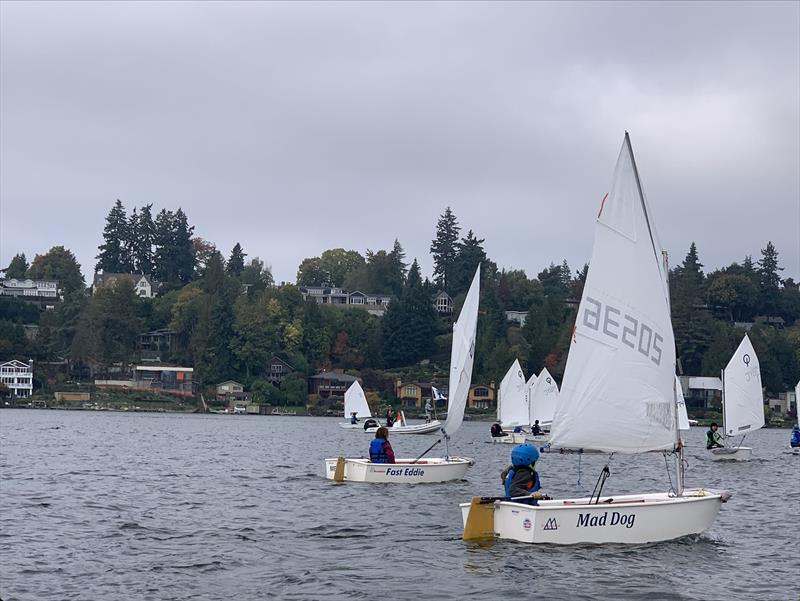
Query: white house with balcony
x=143 y=285
x=29 y=289
x=17 y=377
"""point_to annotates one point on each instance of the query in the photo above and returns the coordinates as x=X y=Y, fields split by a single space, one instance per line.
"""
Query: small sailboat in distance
x=618 y=393
x=542 y=404
x=434 y=469
x=512 y=405
x=742 y=402
x=355 y=402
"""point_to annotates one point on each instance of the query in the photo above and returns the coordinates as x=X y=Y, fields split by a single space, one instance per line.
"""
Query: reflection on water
x=114 y=506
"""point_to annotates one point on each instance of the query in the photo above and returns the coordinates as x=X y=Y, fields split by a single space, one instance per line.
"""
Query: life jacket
x=712 y=439
x=376 y=452
x=521 y=476
x=795 y=438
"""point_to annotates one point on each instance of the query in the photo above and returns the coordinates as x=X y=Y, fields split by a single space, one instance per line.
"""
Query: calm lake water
x=108 y=506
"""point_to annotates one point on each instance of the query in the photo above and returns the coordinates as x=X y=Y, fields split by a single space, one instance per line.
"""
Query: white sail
x=461 y=357
x=512 y=403
x=797 y=402
x=742 y=400
x=618 y=388
x=543 y=399
x=356 y=401
x=683 y=416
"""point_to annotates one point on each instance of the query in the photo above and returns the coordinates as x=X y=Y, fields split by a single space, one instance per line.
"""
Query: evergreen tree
x=143 y=241
x=17 y=267
x=409 y=324
x=444 y=250
x=114 y=255
x=769 y=280
x=470 y=255
x=398 y=268
x=236 y=262
x=214 y=277
x=174 y=256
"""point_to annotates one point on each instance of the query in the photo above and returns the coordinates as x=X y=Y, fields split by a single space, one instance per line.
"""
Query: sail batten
x=618 y=391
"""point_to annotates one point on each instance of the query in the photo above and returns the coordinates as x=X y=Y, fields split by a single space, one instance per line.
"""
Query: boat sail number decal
x=752 y=372
x=634 y=333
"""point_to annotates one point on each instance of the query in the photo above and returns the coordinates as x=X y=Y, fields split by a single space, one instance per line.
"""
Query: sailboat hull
x=630 y=519
x=731 y=453
x=428 y=428
x=403 y=471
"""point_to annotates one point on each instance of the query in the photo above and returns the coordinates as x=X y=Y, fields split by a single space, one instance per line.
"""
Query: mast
x=678 y=442
x=722 y=377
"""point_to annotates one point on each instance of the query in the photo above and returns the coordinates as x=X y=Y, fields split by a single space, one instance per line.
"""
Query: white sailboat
x=742 y=402
x=684 y=423
x=439 y=469
x=796 y=450
x=512 y=405
x=618 y=392
x=542 y=403
x=401 y=426
x=355 y=401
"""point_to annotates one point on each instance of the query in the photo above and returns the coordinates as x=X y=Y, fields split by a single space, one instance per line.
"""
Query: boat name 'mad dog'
x=617 y=519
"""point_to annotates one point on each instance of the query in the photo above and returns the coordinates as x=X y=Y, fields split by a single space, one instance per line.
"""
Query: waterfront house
x=330 y=384
x=231 y=391
x=701 y=392
x=152 y=345
x=443 y=303
x=44 y=293
x=517 y=317
x=17 y=377
x=278 y=369
x=374 y=304
x=414 y=394
x=482 y=396
x=144 y=285
x=173 y=379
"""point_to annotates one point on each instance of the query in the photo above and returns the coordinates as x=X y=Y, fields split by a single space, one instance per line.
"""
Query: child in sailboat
x=380 y=450
x=521 y=479
x=713 y=437
x=795 y=442
x=354 y=417
x=497 y=430
x=536 y=429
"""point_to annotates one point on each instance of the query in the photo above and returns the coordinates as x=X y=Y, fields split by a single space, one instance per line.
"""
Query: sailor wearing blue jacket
x=795 y=442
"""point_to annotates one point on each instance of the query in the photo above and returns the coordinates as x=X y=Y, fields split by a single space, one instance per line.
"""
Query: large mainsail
x=543 y=399
x=461 y=357
x=618 y=390
x=512 y=404
x=356 y=401
x=743 y=403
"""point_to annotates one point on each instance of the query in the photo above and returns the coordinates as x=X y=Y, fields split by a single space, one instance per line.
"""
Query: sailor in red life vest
x=380 y=450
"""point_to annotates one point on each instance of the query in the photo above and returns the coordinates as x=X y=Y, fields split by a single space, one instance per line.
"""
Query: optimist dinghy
x=742 y=402
x=443 y=469
x=401 y=426
x=355 y=401
x=618 y=394
x=512 y=405
x=542 y=405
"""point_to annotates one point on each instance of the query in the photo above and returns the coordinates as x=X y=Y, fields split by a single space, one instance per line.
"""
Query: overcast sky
x=293 y=128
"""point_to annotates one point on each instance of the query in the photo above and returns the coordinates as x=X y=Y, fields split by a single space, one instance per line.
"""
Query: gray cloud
x=293 y=128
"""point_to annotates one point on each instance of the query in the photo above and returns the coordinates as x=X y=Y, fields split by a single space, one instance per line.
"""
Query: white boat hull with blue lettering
x=632 y=519
x=429 y=470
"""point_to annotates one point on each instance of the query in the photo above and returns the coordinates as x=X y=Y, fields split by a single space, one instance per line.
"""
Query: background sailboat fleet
x=620 y=395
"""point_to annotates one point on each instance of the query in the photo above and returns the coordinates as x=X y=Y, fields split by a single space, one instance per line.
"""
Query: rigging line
x=669 y=474
x=601 y=480
x=579 y=469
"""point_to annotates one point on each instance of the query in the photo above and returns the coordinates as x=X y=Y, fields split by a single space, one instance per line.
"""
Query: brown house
x=330 y=384
x=278 y=369
x=414 y=394
x=482 y=397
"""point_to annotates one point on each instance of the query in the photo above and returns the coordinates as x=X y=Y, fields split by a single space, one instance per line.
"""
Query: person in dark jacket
x=389 y=417
x=521 y=479
x=713 y=437
x=497 y=431
x=536 y=429
x=795 y=442
x=354 y=417
x=380 y=450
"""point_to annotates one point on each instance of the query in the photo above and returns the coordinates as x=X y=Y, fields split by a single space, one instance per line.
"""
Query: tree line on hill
x=229 y=319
